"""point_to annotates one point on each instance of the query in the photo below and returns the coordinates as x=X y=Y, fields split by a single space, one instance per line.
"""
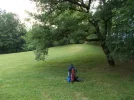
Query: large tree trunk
x=104 y=45
x=102 y=39
x=106 y=50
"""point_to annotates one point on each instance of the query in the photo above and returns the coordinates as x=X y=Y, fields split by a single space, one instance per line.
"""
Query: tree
x=101 y=19
x=122 y=35
x=11 y=32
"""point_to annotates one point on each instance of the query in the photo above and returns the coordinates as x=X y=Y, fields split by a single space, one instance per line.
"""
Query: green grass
x=23 y=78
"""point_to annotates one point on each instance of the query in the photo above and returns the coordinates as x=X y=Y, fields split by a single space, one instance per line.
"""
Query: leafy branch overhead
x=72 y=21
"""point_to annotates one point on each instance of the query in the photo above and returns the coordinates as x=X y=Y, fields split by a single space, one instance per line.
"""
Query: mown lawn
x=23 y=78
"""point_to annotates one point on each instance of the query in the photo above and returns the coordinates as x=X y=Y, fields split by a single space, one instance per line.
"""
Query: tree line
x=11 y=33
x=14 y=36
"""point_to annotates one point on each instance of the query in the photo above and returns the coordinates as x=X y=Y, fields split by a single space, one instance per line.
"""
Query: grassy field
x=23 y=78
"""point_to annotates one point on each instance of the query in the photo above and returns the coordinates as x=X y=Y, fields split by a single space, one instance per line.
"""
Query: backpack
x=71 y=74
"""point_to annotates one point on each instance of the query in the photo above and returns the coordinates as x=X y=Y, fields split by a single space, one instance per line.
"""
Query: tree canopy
x=78 y=21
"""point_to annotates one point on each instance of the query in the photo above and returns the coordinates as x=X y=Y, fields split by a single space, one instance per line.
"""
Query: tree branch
x=79 y=4
x=82 y=2
x=103 y=1
x=89 y=4
x=89 y=40
x=75 y=9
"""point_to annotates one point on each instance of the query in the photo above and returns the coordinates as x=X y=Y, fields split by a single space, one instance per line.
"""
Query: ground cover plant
x=24 y=78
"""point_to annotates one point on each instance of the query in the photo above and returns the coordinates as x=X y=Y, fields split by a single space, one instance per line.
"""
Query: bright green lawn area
x=23 y=78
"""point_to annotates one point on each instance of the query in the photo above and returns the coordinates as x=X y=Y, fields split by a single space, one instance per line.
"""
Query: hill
x=23 y=78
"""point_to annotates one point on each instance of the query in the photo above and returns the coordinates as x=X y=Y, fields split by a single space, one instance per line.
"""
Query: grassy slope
x=23 y=78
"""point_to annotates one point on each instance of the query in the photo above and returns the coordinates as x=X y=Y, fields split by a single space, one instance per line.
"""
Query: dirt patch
x=46 y=96
x=79 y=96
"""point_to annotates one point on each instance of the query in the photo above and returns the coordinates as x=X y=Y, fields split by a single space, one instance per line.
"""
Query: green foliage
x=122 y=36
x=59 y=29
x=72 y=21
x=29 y=45
x=11 y=32
x=42 y=38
